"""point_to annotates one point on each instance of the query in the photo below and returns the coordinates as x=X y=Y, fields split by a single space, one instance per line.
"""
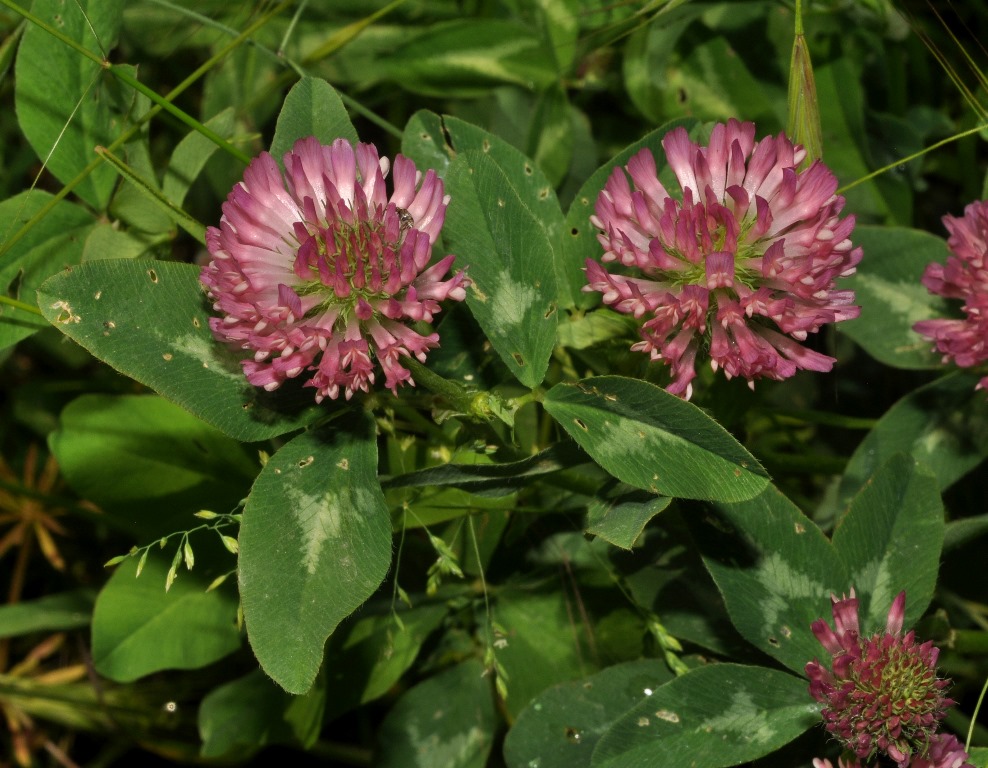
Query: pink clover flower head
x=945 y=751
x=964 y=277
x=881 y=695
x=841 y=763
x=740 y=263
x=320 y=271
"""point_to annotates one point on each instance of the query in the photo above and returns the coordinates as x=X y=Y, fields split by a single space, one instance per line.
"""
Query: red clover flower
x=882 y=696
x=741 y=260
x=965 y=277
x=320 y=271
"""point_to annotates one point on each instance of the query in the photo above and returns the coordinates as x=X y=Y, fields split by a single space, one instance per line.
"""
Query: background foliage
x=541 y=559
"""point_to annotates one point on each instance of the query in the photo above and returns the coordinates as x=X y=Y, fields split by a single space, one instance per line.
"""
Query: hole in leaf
x=307 y=461
x=581 y=425
x=773 y=642
x=153 y=275
x=196 y=323
x=518 y=358
x=575 y=231
x=528 y=169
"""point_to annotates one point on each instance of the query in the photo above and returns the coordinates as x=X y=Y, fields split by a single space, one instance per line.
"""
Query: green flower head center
x=343 y=262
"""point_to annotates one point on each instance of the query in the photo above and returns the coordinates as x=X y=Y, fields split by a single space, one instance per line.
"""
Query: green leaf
x=720 y=715
x=105 y=241
x=561 y=727
x=138 y=628
x=67 y=610
x=943 y=424
x=448 y=721
x=490 y=479
x=425 y=140
x=779 y=581
x=466 y=57
x=654 y=441
x=149 y=320
x=147 y=462
x=651 y=49
x=890 y=540
x=53 y=243
x=494 y=230
x=892 y=298
x=544 y=646
x=312 y=108
x=315 y=542
x=842 y=114
x=550 y=141
x=364 y=660
x=621 y=517
x=244 y=715
x=191 y=155
x=580 y=237
x=63 y=99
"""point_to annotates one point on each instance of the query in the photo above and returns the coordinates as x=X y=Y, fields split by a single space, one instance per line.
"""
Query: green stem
x=187 y=222
x=129 y=133
x=21 y=305
x=912 y=157
x=121 y=73
x=471 y=403
x=974 y=719
x=807 y=416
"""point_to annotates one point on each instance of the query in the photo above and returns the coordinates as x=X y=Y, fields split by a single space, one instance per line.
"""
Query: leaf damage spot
x=581 y=424
x=167 y=356
x=786 y=632
x=544 y=193
x=153 y=275
x=669 y=717
x=196 y=323
x=306 y=462
x=800 y=528
x=642 y=722
x=518 y=359
x=65 y=313
x=344 y=464
x=500 y=203
x=486 y=146
x=528 y=169
x=97 y=295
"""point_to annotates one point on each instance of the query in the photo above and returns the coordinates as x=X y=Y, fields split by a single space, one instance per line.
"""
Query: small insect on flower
x=964 y=277
x=882 y=696
x=319 y=270
x=740 y=262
